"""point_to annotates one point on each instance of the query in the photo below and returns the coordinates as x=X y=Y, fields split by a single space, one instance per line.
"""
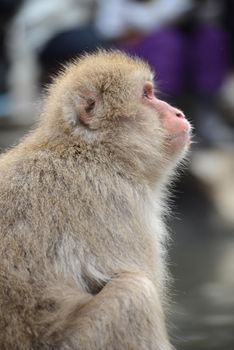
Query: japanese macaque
x=81 y=213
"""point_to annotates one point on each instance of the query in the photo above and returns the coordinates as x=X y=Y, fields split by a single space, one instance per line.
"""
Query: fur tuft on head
x=95 y=88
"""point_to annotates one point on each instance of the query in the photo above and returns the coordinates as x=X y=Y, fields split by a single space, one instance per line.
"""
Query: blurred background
x=190 y=45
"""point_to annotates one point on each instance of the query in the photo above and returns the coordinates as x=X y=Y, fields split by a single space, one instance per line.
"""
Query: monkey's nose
x=179 y=114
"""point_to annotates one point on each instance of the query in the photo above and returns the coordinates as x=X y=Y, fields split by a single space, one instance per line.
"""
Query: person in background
x=8 y=8
x=33 y=48
x=183 y=40
x=46 y=34
x=186 y=44
x=227 y=92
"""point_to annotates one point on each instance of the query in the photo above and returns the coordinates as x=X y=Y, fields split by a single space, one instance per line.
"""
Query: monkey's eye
x=148 y=91
x=145 y=93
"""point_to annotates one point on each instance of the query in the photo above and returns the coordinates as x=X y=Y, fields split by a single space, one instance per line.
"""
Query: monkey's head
x=108 y=99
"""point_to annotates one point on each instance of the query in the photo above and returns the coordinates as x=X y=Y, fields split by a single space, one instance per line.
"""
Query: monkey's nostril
x=180 y=114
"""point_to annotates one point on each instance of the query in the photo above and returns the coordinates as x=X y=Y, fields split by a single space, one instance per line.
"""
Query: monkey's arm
x=125 y=314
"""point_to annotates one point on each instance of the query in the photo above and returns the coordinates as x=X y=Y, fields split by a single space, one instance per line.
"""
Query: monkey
x=82 y=207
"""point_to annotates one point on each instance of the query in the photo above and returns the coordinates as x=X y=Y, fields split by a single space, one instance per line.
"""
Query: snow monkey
x=81 y=213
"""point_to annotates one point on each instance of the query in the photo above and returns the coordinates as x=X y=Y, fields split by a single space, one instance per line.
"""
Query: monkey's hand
x=125 y=314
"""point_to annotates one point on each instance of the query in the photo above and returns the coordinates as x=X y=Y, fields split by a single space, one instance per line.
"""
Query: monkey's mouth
x=184 y=134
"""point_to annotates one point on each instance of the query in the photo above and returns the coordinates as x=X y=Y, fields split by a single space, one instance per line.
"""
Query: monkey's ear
x=78 y=110
x=85 y=111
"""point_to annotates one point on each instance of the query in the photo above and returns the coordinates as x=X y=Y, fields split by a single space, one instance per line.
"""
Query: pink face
x=173 y=120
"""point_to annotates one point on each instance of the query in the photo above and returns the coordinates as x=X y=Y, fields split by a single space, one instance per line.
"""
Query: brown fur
x=82 y=238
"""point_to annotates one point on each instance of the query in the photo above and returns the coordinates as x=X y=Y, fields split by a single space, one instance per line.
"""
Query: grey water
x=202 y=265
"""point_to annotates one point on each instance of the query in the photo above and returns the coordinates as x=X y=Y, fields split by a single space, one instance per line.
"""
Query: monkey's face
x=173 y=121
x=109 y=97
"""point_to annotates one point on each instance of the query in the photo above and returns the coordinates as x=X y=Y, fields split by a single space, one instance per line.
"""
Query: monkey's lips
x=178 y=128
x=184 y=133
x=182 y=136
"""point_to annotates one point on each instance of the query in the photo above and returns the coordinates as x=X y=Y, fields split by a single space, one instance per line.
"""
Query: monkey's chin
x=181 y=138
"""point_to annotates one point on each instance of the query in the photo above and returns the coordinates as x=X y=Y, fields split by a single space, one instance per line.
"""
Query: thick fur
x=82 y=236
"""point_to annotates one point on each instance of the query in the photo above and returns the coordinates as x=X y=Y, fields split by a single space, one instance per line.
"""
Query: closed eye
x=148 y=90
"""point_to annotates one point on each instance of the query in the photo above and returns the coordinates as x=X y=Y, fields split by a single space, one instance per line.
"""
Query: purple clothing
x=198 y=61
